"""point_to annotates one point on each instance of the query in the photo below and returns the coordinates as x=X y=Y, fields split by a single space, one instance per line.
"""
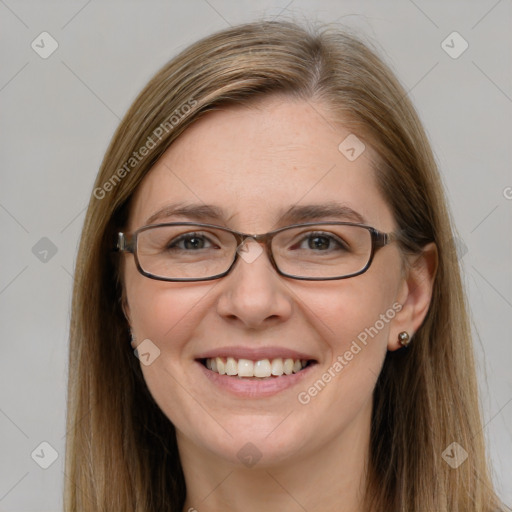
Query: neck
x=331 y=478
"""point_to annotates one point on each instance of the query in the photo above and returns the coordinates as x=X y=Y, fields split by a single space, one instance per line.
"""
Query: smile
x=250 y=372
x=260 y=369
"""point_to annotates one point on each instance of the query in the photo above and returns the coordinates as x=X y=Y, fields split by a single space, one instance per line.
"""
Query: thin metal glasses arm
x=123 y=245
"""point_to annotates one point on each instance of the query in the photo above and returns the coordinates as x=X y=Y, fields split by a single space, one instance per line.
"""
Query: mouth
x=254 y=372
x=259 y=369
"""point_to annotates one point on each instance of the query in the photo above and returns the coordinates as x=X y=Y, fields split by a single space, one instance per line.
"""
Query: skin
x=255 y=162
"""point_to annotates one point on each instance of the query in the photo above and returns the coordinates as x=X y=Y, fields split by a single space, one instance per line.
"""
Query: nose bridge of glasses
x=261 y=239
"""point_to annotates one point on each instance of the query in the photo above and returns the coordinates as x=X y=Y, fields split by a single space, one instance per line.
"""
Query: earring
x=132 y=336
x=404 y=339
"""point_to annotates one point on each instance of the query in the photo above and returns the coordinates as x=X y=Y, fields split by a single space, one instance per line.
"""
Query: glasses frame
x=127 y=242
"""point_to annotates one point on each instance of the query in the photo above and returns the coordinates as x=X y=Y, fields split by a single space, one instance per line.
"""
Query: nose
x=253 y=294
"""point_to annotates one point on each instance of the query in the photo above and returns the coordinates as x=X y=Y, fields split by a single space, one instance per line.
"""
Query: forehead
x=254 y=162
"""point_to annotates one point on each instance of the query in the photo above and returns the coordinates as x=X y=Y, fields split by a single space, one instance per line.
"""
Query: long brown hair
x=121 y=449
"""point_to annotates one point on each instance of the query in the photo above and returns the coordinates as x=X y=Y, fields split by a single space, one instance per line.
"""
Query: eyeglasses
x=186 y=251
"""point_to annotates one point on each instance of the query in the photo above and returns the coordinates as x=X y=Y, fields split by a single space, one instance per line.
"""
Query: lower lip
x=254 y=388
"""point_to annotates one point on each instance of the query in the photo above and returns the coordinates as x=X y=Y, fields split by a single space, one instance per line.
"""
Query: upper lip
x=255 y=354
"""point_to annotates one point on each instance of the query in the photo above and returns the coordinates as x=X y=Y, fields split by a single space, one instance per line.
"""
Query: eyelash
x=307 y=236
x=322 y=234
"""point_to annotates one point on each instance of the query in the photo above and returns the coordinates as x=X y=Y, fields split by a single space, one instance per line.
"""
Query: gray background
x=59 y=113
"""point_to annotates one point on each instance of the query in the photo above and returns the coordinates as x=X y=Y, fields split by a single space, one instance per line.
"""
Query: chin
x=257 y=441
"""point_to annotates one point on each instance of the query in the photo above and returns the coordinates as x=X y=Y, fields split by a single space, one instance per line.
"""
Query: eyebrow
x=197 y=212
x=313 y=212
x=294 y=215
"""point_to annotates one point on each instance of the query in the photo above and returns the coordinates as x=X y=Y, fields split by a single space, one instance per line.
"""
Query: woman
x=268 y=231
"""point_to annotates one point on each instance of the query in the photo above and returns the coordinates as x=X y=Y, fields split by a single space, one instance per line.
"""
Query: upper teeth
x=260 y=368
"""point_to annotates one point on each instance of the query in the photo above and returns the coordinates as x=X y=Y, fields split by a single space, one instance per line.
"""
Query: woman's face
x=252 y=166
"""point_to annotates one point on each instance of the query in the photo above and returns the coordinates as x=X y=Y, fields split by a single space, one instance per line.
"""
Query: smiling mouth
x=260 y=369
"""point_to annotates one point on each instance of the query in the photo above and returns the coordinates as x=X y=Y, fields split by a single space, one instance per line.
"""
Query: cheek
x=170 y=316
x=360 y=308
x=354 y=317
x=160 y=310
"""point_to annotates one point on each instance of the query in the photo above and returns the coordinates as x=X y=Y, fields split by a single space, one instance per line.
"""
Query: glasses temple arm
x=123 y=245
x=383 y=239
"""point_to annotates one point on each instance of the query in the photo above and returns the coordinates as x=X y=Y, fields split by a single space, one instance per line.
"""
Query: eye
x=190 y=242
x=321 y=242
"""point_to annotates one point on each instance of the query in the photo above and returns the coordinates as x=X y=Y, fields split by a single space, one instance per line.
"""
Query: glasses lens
x=322 y=251
x=185 y=252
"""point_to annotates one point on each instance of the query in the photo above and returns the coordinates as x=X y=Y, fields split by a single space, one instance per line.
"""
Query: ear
x=124 y=305
x=126 y=311
x=415 y=294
